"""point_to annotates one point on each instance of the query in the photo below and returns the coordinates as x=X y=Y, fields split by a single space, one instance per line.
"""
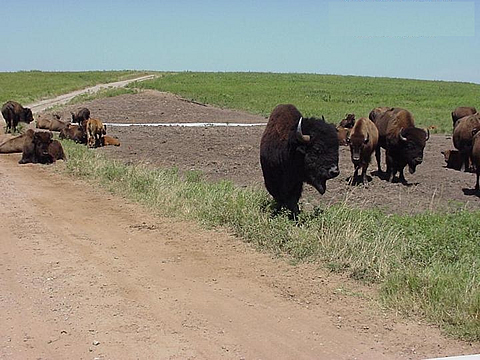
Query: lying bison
x=294 y=150
x=12 y=144
x=50 y=122
x=363 y=141
x=461 y=112
x=39 y=147
x=13 y=113
x=74 y=132
x=403 y=142
x=81 y=116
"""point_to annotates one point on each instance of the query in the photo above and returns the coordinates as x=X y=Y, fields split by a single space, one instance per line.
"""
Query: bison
x=476 y=156
x=74 y=132
x=363 y=141
x=12 y=144
x=342 y=134
x=453 y=159
x=39 y=147
x=403 y=142
x=95 y=131
x=461 y=112
x=348 y=122
x=52 y=123
x=109 y=140
x=462 y=137
x=80 y=116
x=294 y=150
x=13 y=113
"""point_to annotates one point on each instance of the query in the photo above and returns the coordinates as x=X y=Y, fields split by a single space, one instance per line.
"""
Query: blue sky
x=435 y=40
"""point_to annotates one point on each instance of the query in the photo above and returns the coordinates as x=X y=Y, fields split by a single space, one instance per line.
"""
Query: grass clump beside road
x=28 y=86
x=431 y=102
x=425 y=264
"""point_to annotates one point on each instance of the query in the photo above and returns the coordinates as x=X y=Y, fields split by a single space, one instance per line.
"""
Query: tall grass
x=426 y=264
x=29 y=86
x=333 y=96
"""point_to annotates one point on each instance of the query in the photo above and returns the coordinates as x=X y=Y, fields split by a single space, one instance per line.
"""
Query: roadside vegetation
x=425 y=265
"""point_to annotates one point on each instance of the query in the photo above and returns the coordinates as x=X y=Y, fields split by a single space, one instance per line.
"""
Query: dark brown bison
x=403 y=142
x=476 y=156
x=13 y=113
x=363 y=140
x=294 y=150
x=461 y=112
x=39 y=147
x=462 y=137
x=453 y=159
x=348 y=121
x=81 y=116
x=74 y=132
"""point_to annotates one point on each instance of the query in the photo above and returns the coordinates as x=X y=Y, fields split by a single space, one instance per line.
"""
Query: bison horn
x=403 y=138
x=300 y=136
x=427 y=135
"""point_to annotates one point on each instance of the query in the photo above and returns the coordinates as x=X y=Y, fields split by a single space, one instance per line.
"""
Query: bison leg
x=364 y=174
x=477 y=185
x=378 y=157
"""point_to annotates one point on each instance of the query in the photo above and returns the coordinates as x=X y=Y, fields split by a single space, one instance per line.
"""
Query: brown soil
x=89 y=275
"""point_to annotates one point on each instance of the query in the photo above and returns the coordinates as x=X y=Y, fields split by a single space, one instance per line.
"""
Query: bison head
x=318 y=142
x=357 y=142
x=26 y=116
x=412 y=142
x=42 y=140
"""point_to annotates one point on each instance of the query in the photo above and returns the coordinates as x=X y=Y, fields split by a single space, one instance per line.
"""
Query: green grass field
x=28 y=86
x=425 y=265
x=333 y=96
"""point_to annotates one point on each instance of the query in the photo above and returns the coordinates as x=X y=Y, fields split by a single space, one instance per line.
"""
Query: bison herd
x=38 y=145
x=295 y=150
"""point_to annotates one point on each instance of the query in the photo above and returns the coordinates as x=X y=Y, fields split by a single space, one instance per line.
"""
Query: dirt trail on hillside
x=87 y=275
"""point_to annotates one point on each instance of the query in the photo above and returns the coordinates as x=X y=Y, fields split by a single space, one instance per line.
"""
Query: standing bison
x=13 y=113
x=80 y=116
x=403 y=142
x=294 y=150
x=476 y=156
x=463 y=138
x=363 y=141
x=461 y=112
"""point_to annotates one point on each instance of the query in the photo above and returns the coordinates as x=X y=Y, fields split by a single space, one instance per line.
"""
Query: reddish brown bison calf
x=363 y=140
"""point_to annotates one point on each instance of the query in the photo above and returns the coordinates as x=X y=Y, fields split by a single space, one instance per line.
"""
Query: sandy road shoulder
x=89 y=275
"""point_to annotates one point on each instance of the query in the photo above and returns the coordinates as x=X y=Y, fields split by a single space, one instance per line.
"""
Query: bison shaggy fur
x=403 y=142
x=363 y=140
x=294 y=151
x=13 y=113
x=461 y=112
x=463 y=137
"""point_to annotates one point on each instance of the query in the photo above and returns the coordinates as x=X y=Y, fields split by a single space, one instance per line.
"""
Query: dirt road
x=86 y=275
